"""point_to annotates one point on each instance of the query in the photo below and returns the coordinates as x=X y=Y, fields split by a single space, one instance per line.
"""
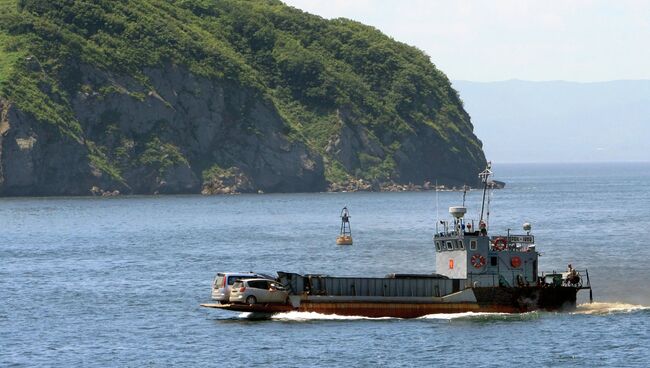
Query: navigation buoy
x=345 y=237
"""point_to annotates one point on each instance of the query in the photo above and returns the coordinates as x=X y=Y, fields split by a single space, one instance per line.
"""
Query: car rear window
x=218 y=281
x=232 y=279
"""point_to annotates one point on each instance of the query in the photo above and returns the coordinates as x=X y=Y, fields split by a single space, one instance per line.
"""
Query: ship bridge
x=482 y=260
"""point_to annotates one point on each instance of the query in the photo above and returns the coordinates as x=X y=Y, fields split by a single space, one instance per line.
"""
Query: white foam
x=597 y=308
x=313 y=316
x=462 y=315
x=608 y=308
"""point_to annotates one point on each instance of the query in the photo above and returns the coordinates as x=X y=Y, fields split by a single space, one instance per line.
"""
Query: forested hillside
x=179 y=96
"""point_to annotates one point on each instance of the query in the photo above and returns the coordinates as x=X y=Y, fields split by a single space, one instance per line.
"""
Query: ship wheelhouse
x=485 y=261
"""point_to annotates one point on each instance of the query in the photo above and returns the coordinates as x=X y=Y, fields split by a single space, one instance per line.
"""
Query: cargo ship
x=475 y=272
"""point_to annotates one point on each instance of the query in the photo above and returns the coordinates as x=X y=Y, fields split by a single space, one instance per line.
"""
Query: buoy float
x=345 y=238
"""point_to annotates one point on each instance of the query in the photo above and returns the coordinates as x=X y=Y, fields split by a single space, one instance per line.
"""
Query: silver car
x=223 y=282
x=253 y=291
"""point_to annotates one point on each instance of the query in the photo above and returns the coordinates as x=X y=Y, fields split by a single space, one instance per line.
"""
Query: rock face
x=35 y=159
x=160 y=140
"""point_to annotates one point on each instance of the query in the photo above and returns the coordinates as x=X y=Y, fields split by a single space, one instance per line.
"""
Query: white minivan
x=253 y=291
x=224 y=280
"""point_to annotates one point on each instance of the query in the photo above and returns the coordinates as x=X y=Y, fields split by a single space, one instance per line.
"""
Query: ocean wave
x=600 y=308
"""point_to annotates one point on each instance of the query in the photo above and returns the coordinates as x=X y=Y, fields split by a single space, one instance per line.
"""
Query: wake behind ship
x=476 y=272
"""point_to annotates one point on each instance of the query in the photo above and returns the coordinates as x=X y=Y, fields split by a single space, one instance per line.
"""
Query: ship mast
x=465 y=189
x=484 y=176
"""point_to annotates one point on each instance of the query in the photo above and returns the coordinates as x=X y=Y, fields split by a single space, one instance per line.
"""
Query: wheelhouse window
x=450 y=246
x=438 y=247
x=472 y=244
x=461 y=244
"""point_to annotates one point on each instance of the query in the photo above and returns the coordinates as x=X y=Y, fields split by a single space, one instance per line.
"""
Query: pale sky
x=576 y=40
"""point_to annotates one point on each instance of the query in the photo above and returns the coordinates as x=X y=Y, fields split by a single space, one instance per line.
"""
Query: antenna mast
x=484 y=176
x=437 y=215
x=465 y=188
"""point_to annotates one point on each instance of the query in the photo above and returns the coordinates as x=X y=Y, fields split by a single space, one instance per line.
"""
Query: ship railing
x=574 y=278
x=512 y=247
x=580 y=279
x=447 y=234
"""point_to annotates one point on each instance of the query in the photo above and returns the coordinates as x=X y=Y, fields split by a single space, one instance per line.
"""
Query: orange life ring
x=515 y=262
x=477 y=260
x=500 y=243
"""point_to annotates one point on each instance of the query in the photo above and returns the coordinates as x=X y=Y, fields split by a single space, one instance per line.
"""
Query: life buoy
x=477 y=260
x=500 y=243
x=515 y=262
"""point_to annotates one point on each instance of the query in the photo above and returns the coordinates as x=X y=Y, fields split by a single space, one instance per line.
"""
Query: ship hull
x=490 y=300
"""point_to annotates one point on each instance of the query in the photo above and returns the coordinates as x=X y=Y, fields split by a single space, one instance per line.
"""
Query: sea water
x=118 y=281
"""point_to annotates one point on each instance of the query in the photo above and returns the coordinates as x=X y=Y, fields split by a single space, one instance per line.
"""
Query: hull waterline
x=488 y=300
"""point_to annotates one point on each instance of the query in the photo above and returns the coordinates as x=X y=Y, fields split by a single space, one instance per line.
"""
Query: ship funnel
x=458 y=211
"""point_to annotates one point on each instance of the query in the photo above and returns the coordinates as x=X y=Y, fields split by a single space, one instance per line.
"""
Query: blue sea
x=117 y=282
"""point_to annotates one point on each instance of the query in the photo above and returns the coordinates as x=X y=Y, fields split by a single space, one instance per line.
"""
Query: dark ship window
x=493 y=261
x=461 y=244
x=438 y=246
x=472 y=244
x=450 y=246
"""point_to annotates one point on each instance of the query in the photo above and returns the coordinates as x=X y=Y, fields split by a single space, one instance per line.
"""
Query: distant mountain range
x=557 y=121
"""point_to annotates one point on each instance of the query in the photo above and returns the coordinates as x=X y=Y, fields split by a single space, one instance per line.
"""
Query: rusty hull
x=488 y=300
x=372 y=310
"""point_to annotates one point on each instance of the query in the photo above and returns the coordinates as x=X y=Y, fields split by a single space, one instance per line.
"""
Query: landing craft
x=477 y=272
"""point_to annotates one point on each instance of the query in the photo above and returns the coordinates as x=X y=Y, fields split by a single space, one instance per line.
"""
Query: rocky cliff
x=156 y=140
x=217 y=97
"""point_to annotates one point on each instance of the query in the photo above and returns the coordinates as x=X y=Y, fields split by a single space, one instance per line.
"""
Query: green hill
x=176 y=96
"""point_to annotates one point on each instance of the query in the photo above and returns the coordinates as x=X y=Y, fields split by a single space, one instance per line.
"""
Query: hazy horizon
x=523 y=121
